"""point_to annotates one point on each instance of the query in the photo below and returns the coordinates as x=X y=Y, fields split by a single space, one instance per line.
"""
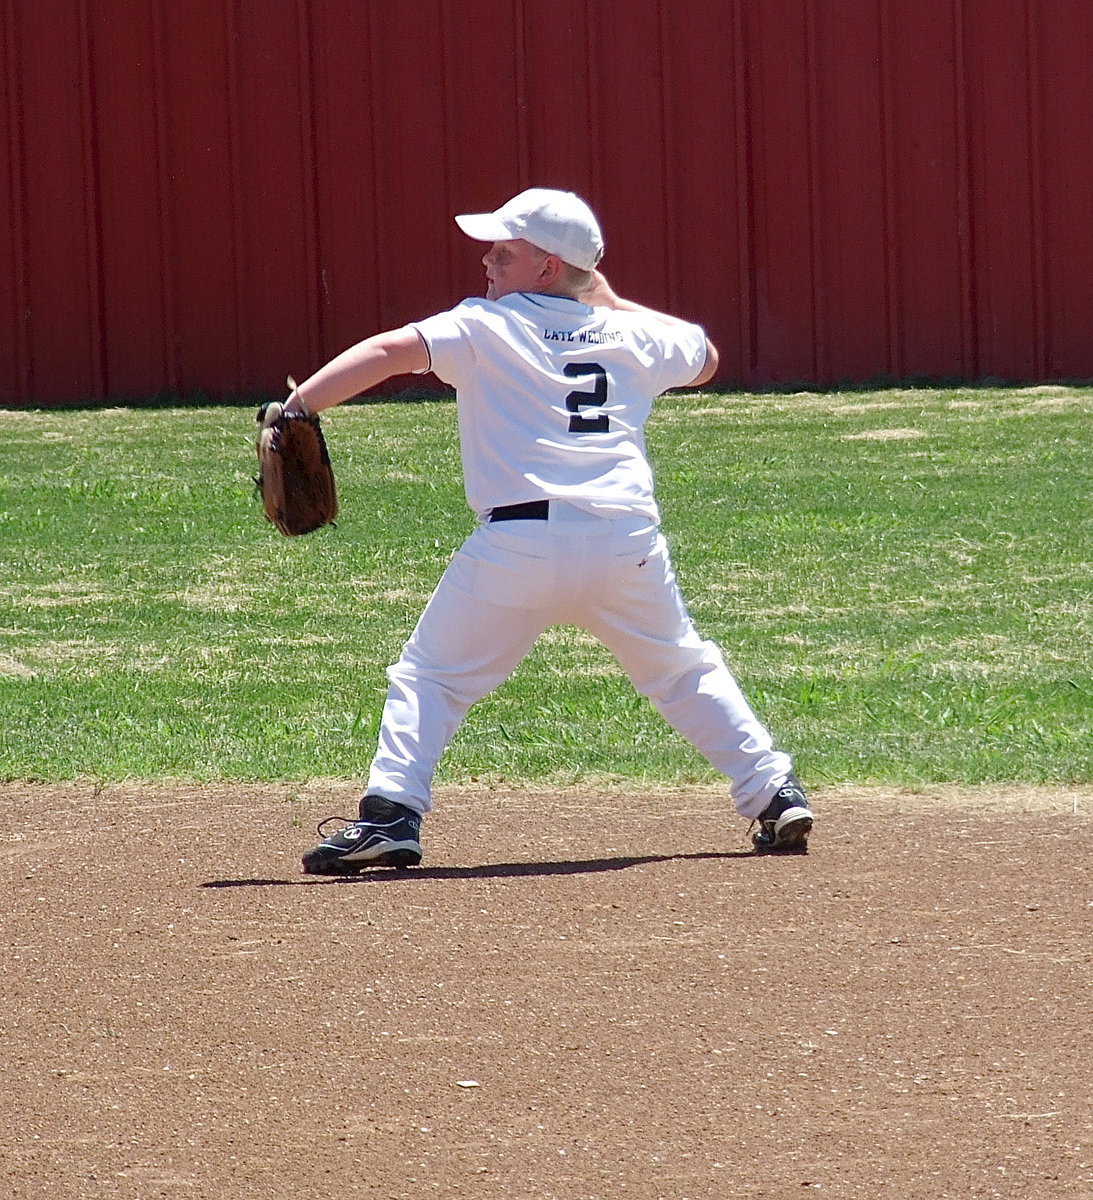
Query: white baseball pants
x=509 y=582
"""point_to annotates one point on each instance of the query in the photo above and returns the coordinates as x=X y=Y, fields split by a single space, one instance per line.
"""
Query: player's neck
x=558 y=292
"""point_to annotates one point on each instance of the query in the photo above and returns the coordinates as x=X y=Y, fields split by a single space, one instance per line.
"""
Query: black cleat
x=386 y=835
x=786 y=822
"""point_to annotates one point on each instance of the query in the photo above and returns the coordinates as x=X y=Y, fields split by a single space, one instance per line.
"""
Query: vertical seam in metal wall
x=92 y=207
x=520 y=78
x=164 y=191
x=1034 y=108
x=969 y=334
x=812 y=119
x=892 y=263
x=747 y=302
x=235 y=184
x=592 y=101
x=313 y=293
x=378 y=239
x=447 y=149
x=18 y=233
x=669 y=163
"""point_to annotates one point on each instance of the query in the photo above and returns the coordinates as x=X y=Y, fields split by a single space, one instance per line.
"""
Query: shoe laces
x=346 y=822
x=762 y=823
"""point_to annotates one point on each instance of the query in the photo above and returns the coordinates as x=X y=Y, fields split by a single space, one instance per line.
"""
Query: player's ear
x=551 y=270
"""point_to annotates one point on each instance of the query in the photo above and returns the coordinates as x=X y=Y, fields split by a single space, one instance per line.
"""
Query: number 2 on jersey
x=597 y=398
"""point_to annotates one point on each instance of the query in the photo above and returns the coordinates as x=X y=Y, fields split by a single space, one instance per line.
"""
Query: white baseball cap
x=558 y=222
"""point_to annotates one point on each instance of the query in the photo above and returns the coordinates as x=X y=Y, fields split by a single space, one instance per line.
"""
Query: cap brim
x=484 y=227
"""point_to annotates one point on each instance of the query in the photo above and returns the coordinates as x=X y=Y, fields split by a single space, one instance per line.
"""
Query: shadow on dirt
x=589 y=866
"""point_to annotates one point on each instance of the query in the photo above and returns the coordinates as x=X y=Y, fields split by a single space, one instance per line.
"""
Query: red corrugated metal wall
x=204 y=196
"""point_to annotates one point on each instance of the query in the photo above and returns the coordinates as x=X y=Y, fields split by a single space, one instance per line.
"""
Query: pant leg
x=614 y=578
x=640 y=615
x=479 y=624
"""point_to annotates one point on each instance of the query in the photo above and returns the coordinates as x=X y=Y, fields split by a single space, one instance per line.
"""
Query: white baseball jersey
x=553 y=396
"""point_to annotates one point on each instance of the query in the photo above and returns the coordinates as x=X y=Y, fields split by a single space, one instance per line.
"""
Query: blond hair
x=575 y=280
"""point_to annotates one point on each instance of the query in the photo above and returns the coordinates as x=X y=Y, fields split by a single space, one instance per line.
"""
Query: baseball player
x=555 y=376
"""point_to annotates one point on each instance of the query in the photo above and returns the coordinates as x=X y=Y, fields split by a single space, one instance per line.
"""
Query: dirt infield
x=570 y=998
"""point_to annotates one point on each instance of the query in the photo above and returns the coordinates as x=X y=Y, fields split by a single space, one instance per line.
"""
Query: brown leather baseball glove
x=295 y=477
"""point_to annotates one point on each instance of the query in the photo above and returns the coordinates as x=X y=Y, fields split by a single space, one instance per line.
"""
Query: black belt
x=530 y=510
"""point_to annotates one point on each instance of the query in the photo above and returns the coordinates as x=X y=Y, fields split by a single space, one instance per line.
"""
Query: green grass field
x=901 y=580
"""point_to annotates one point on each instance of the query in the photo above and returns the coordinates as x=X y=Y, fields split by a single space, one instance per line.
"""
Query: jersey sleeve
x=682 y=354
x=446 y=337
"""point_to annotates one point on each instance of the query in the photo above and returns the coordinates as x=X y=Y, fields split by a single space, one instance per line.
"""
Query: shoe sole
x=790 y=837
x=320 y=862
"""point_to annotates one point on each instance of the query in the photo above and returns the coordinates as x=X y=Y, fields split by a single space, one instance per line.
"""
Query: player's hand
x=600 y=293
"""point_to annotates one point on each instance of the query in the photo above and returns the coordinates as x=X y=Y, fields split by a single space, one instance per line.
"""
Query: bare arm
x=600 y=294
x=363 y=366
